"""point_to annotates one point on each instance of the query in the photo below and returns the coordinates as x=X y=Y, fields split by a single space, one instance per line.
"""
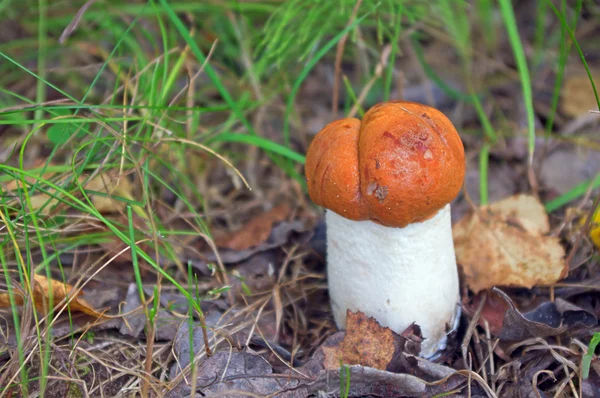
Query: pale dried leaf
x=506 y=244
x=113 y=186
x=577 y=97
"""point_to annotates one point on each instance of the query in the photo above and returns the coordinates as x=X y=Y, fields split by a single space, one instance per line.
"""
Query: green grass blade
x=586 y=361
x=508 y=15
x=574 y=193
x=262 y=143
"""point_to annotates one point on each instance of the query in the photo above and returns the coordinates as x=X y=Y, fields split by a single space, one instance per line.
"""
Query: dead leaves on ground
x=507 y=244
x=367 y=343
x=373 y=359
x=62 y=294
x=543 y=319
x=380 y=362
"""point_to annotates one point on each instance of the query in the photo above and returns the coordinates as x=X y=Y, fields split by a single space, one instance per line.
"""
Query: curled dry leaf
x=549 y=318
x=506 y=244
x=60 y=291
x=517 y=326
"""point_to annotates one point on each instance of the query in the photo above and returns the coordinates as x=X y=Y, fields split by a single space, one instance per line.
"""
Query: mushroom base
x=396 y=275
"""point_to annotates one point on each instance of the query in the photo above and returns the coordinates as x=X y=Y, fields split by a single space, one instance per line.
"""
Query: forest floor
x=152 y=175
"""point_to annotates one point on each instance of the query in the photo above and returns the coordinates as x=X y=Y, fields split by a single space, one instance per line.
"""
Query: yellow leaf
x=595 y=230
x=60 y=291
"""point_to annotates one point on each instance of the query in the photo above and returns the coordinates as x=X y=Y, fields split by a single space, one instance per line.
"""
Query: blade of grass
x=355 y=102
x=485 y=10
x=483 y=173
x=40 y=95
x=489 y=138
x=574 y=193
x=15 y=314
x=540 y=31
x=46 y=344
x=586 y=361
x=140 y=286
x=508 y=15
x=262 y=143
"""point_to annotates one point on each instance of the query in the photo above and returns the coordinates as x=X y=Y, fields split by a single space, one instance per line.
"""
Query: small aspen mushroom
x=387 y=183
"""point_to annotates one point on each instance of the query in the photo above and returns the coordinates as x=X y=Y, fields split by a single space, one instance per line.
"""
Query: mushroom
x=387 y=183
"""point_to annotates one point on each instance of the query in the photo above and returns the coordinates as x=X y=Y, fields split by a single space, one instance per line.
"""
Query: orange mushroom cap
x=401 y=164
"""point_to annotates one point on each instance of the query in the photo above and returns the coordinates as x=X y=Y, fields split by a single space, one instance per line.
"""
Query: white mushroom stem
x=396 y=275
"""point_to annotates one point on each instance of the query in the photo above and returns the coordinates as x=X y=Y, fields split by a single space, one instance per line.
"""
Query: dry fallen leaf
x=256 y=231
x=506 y=244
x=518 y=326
x=59 y=292
x=368 y=343
x=112 y=185
x=577 y=97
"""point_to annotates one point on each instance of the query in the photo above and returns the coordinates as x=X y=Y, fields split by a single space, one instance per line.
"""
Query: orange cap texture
x=401 y=164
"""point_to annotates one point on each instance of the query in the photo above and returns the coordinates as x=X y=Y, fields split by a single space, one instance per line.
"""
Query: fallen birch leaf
x=60 y=291
x=506 y=244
